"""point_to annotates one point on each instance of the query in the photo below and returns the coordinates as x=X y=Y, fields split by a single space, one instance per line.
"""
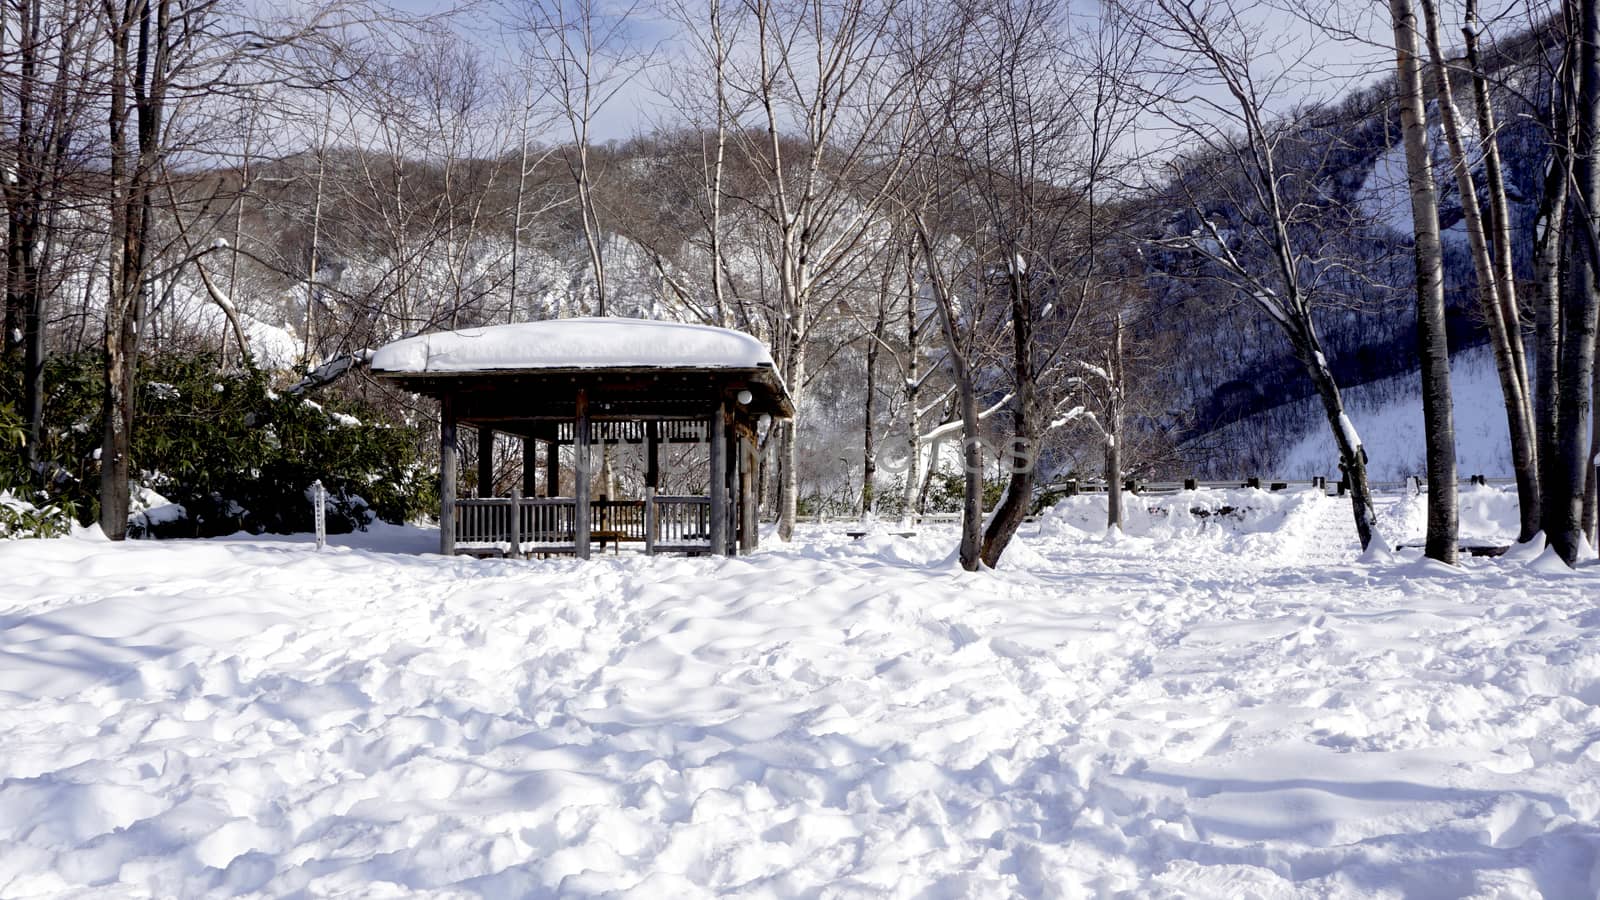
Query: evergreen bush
x=234 y=454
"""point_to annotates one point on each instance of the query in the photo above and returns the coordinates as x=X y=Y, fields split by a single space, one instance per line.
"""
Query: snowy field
x=1214 y=706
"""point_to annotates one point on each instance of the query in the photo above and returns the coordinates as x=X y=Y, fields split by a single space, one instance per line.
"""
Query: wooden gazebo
x=588 y=382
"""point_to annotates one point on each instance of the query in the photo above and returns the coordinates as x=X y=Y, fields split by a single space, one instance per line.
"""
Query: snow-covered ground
x=1223 y=705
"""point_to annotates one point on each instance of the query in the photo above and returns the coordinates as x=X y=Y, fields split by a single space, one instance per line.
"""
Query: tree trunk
x=26 y=192
x=1433 y=347
x=1352 y=455
x=1496 y=288
x=517 y=210
x=971 y=549
x=1549 y=264
x=788 y=468
x=121 y=301
x=592 y=237
x=1564 y=522
x=714 y=189
x=1014 y=505
x=1113 y=477
x=1024 y=448
x=869 y=451
x=913 y=394
x=1590 y=498
x=1564 y=510
x=24 y=290
x=1113 y=428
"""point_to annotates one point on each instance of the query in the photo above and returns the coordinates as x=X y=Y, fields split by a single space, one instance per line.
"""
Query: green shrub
x=947 y=490
x=236 y=455
x=21 y=519
x=22 y=516
x=240 y=457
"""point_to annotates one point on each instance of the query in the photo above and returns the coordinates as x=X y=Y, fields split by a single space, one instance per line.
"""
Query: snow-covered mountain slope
x=1388 y=416
x=1220 y=707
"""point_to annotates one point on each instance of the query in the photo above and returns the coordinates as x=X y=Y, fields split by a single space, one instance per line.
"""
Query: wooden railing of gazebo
x=488 y=525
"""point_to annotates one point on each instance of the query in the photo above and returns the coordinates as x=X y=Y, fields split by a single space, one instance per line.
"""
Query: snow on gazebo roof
x=566 y=344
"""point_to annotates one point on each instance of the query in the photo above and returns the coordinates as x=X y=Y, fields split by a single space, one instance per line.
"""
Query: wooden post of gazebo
x=552 y=468
x=580 y=476
x=717 y=428
x=485 y=461
x=447 y=476
x=652 y=482
x=750 y=516
x=530 y=468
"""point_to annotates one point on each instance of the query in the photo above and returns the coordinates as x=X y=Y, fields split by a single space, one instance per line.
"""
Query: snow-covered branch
x=937 y=402
x=331 y=371
x=952 y=428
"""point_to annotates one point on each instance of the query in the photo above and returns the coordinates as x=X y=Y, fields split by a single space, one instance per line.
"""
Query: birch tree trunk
x=1549 y=264
x=869 y=451
x=1113 y=429
x=913 y=396
x=518 y=208
x=1496 y=287
x=714 y=189
x=309 y=355
x=1432 y=346
x=1564 y=516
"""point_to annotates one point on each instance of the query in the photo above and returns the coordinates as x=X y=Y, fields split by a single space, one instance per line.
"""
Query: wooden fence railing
x=680 y=524
x=549 y=524
x=532 y=524
x=616 y=521
x=1148 y=488
x=1140 y=486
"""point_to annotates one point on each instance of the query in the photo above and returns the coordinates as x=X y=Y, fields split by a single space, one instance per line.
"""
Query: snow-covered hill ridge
x=1388 y=415
x=1231 y=709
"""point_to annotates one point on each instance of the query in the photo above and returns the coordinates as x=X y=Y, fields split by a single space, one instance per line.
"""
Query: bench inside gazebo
x=588 y=384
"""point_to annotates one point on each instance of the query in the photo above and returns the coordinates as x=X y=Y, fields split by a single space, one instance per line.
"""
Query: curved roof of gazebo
x=565 y=344
x=603 y=350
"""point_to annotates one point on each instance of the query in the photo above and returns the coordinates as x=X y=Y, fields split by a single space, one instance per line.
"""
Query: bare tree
x=712 y=38
x=1268 y=207
x=825 y=91
x=1054 y=228
x=47 y=83
x=960 y=366
x=583 y=54
x=1105 y=384
x=165 y=60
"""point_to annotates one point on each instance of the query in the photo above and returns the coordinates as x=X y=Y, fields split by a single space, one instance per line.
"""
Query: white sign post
x=319 y=512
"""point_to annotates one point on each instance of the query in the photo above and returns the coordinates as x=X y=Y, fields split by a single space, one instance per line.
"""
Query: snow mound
x=1488 y=515
x=1207 y=515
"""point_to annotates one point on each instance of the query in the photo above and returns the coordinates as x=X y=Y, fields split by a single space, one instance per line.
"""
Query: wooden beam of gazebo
x=579 y=382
